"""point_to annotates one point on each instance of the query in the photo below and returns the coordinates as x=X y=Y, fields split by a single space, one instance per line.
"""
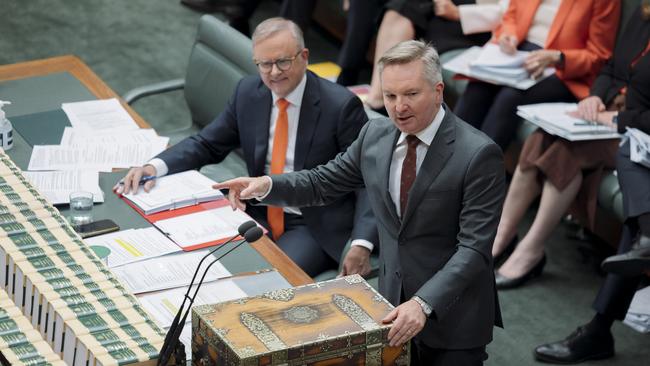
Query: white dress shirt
x=426 y=137
x=542 y=21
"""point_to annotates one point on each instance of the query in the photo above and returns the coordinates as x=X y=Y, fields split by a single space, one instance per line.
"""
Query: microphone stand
x=173 y=335
x=166 y=349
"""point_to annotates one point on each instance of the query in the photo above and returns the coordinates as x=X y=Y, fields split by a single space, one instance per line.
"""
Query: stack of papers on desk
x=490 y=65
x=175 y=191
x=57 y=186
x=553 y=118
x=99 y=115
x=133 y=245
x=639 y=146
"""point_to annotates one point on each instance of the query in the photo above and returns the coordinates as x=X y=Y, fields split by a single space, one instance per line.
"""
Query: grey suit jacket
x=441 y=249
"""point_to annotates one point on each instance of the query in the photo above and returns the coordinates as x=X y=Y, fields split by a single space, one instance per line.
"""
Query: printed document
x=80 y=137
x=97 y=115
x=175 y=191
x=170 y=271
x=203 y=226
x=513 y=77
x=553 y=118
x=58 y=185
x=133 y=245
x=92 y=157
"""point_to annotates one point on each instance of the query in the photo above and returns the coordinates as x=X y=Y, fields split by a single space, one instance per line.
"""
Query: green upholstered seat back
x=220 y=57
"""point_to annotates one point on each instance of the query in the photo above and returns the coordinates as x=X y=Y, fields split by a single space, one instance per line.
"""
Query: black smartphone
x=97 y=228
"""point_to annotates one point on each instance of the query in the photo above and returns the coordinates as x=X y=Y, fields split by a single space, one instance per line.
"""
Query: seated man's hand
x=357 y=261
x=131 y=180
x=408 y=320
x=244 y=189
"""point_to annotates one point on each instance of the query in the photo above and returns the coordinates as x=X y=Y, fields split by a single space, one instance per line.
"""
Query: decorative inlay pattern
x=354 y=311
x=354 y=279
x=301 y=314
x=261 y=331
x=286 y=294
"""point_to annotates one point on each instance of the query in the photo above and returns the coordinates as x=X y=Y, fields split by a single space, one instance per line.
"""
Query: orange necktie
x=275 y=215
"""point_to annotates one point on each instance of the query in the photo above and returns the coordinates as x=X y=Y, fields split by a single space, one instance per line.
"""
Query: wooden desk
x=73 y=65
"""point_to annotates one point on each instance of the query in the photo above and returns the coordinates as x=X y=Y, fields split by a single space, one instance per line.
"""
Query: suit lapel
x=386 y=146
x=562 y=13
x=307 y=121
x=260 y=117
x=439 y=152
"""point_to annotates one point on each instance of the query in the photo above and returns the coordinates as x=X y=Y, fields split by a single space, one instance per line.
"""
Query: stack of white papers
x=133 y=245
x=203 y=227
x=638 y=314
x=639 y=146
x=493 y=69
x=103 y=136
x=174 y=191
x=57 y=186
x=553 y=118
x=170 y=271
x=493 y=61
x=98 y=115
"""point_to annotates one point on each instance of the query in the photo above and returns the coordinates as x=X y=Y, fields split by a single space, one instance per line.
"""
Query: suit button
x=398 y=274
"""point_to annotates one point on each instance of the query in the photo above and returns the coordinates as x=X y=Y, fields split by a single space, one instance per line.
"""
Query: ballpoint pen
x=142 y=181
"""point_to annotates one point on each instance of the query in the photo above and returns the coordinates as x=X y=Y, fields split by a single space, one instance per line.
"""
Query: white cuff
x=262 y=197
x=160 y=166
x=362 y=243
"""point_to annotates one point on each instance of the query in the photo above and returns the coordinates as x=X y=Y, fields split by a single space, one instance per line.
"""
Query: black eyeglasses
x=282 y=64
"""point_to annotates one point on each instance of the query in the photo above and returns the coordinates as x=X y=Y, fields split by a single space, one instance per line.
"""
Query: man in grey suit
x=436 y=186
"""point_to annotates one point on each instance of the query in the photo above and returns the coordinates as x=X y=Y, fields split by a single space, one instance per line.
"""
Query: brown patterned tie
x=408 y=171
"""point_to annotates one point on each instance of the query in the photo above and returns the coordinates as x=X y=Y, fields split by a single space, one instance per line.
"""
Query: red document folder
x=153 y=218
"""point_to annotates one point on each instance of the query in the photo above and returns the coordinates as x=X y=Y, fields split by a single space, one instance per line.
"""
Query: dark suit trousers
x=616 y=293
x=422 y=355
x=492 y=108
x=297 y=242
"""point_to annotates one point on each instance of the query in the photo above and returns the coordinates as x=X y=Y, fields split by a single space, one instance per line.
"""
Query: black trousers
x=297 y=242
x=492 y=108
x=422 y=355
x=616 y=293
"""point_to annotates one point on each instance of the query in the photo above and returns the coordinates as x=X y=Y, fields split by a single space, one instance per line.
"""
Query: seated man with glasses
x=285 y=119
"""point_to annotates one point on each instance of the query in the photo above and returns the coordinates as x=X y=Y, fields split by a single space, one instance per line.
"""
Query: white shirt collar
x=428 y=133
x=295 y=97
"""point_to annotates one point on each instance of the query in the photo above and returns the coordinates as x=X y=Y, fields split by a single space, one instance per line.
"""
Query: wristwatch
x=426 y=308
x=615 y=120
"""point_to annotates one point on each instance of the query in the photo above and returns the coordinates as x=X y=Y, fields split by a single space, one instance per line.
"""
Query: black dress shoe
x=632 y=263
x=507 y=251
x=503 y=282
x=580 y=346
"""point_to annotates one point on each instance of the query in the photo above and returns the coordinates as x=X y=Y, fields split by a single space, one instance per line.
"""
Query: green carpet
x=137 y=42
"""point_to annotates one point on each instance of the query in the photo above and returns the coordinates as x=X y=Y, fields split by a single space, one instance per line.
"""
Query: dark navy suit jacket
x=330 y=120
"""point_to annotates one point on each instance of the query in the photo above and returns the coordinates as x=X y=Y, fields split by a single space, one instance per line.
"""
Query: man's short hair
x=409 y=51
x=272 y=26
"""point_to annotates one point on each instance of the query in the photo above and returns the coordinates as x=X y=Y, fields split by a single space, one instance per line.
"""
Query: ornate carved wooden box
x=335 y=322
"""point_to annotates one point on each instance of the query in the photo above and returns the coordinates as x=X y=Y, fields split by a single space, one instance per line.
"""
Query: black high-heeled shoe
x=503 y=282
x=507 y=251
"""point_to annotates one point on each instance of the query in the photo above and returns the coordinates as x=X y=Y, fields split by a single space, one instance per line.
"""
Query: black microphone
x=241 y=230
x=251 y=235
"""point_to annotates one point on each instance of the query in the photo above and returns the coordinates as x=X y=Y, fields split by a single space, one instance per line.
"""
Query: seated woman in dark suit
x=627 y=74
x=563 y=171
x=575 y=37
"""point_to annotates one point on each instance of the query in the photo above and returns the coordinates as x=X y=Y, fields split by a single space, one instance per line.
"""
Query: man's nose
x=401 y=105
x=275 y=70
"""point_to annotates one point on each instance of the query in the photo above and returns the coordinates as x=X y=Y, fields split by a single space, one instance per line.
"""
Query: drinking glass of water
x=81 y=208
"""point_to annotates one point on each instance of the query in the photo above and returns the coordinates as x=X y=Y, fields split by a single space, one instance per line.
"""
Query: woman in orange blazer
x=577 y=42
